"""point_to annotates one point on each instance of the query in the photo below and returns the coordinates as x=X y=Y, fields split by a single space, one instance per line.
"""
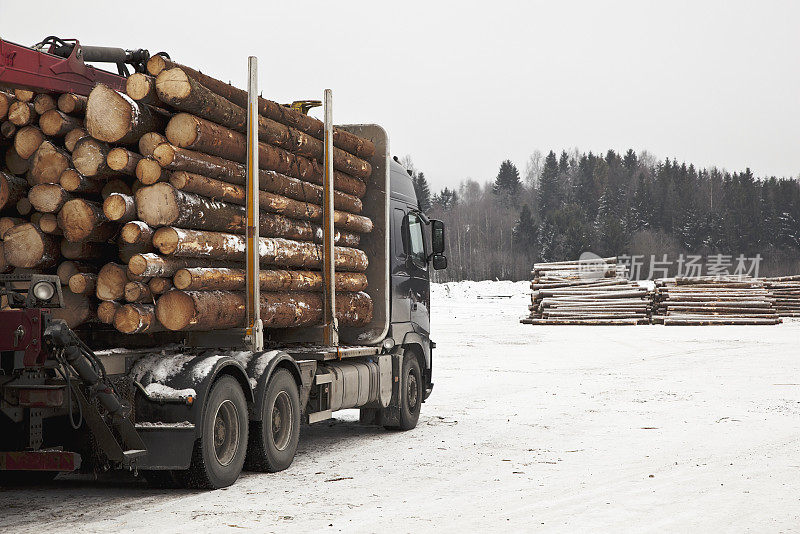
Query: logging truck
x=198 y=410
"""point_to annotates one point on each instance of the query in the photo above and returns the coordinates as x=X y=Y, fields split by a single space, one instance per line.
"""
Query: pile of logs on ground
x=713 y=301
x=595 y=292
x=786 y=291
x=137 y=202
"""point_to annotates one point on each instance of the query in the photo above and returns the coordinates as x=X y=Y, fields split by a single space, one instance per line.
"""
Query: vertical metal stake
x=255 y=329
x=331 y=329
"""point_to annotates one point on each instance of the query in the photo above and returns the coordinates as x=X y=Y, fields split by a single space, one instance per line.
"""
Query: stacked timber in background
x=594 y=292
x=786 y=292
x=713 y=301
x=137 y=202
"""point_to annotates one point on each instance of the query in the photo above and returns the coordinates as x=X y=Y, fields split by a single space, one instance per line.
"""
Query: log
x=24 y=95
x=148 y=143
x=149 y=171
x=362 y=148
x=163 y=205
x=230 y=279
x=48 y=198
x=72 y=104
x=136 y=232
x=72 y=138
x=210 y=310
x=74 y=182
x=48 y=222
x=126 y=251
x=24 y=206
x=68 y=269
x=217 y=189
x=6 y=223
x=135 y=318
x=123 y=161
x=8 y=129
x=47 y=164
x=138 y=292
x=84 y=220
x=119 y=207
x=89 y=158
x=114 y=186
x=22 y=114
x=225 y=143
x=27 y=141
x=14 y=163
x=26 y=246
x=159 y=286
x=77 y=310
x=114 y=117
x=5 y=267
x=184 y=243
x=5 y=102
x=42 y=103
x=142 y=88
x=12 y=190
x=56 y=123
x=85 y=250
x=111 y=282
x=83 y=283
x=184 y=129
x=153 y=265
x=180 y=159
x=106 y=311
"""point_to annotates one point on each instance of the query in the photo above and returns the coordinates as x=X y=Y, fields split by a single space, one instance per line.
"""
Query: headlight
x=388 y=343
x=44 y=290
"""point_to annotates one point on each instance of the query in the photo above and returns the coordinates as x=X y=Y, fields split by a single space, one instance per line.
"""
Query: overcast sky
x=461 y=86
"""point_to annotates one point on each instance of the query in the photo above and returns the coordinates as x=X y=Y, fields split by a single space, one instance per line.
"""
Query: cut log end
x=119 y=207
x=148 y=143
x=27 y=141
x=166 y=240
x=72 y=138
x=182 y=129
x=149 y=171
x=26 y=246
x=106 y=311
x=111 y=282
x=89 y=156
x=108 y=114
x=175 y=310
x=136 y=232
x=70 y=103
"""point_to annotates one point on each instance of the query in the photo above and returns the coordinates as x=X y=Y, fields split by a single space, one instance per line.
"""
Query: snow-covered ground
x=529 y=428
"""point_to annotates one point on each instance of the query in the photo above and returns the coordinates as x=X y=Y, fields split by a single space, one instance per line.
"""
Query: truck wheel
x=410 y=393
x=219 y=454
x=273 y=441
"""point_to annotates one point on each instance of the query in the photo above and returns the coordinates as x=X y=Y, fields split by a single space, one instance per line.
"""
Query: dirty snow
x=557 y=428
x=162 y=392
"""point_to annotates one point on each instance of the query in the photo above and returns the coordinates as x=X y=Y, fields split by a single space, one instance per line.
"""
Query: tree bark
x=114 y=118
x=22 y=114
x=72 y=138
x=56 y=123
x=74 y=182
x=47 y=164
x=12 y=190
x=120 y=208
x=135 y=318
x=84 y=220
x=223 y=142
x=106 y=311
x=15 y=164
x=155 y=266
x=273 y=251
x=122 y=161
x=27 y=141
x=83 y=283
x=211 y=310
x=72 y=104
x=26 y=246
x=230 y=279
x=362 y=148
x=48 y=198
x=111 y=282
x=217 y=189
x=138 y=292
x=8 y=129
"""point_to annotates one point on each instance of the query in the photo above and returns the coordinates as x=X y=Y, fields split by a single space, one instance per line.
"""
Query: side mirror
x=437 y=236
x=439 y=262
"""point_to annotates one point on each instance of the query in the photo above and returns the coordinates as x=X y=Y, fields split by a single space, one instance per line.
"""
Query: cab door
x=419 y=278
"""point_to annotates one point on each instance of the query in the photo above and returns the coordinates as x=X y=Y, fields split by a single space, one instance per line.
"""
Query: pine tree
x=549 y=190
x=422 y=190
x=507 y=185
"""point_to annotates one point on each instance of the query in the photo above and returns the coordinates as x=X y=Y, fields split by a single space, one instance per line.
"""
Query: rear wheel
x=273 y=441
x=219 y=454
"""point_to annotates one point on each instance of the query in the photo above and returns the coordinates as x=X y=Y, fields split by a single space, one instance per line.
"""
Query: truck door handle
x=413 y=306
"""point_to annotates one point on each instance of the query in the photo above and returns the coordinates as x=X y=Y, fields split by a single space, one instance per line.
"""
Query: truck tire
x=219 y=454
x=410 y=393
x=273 y=440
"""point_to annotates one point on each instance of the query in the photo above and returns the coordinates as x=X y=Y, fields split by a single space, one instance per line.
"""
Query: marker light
x=44 y=290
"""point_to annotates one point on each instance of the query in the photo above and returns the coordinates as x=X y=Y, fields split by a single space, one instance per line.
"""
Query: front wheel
x=273 y=442
x=219 y=454
x=411 y=392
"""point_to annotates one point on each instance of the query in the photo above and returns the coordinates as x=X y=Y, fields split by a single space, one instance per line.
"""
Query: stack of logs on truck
x=137 y=202
x=598 y=292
